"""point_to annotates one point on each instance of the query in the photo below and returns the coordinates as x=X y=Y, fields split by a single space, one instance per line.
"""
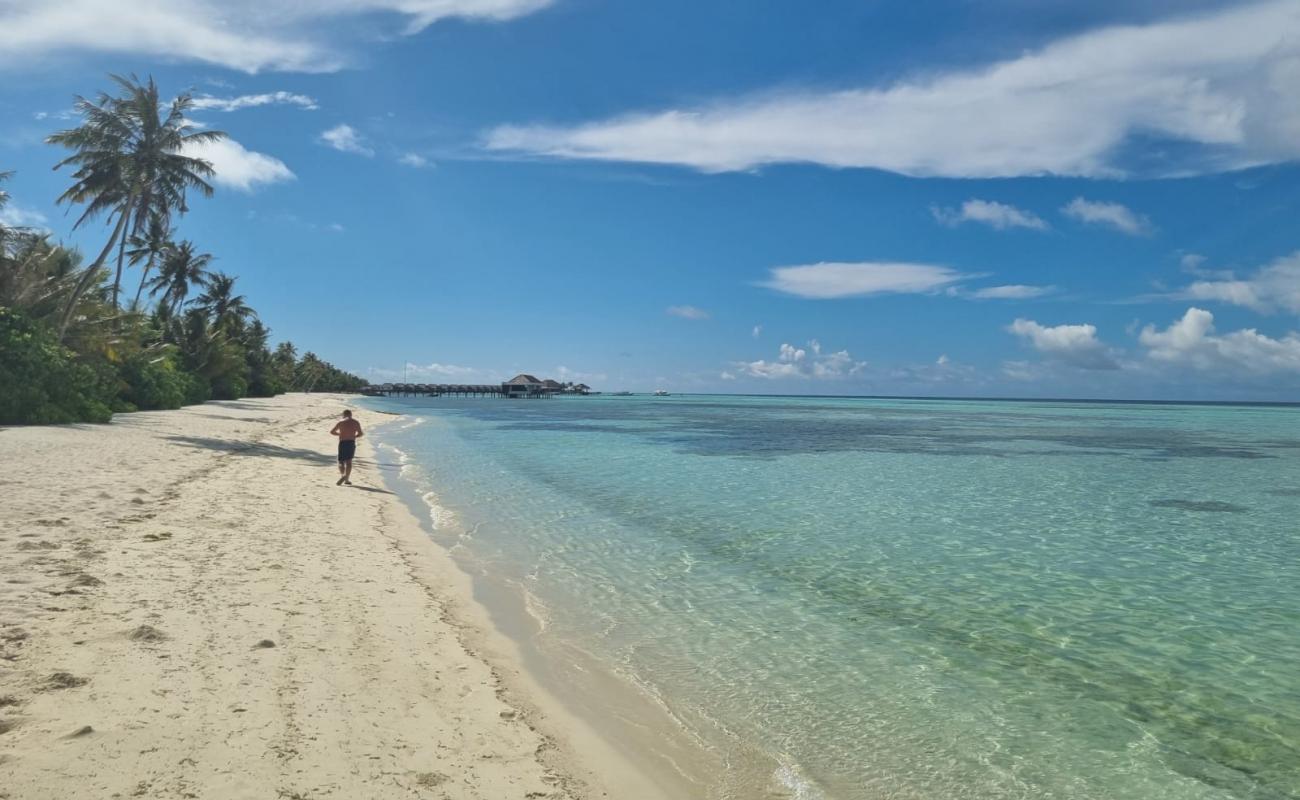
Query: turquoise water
x=908 y=598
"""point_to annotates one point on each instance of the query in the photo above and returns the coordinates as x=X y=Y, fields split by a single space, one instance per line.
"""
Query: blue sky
x=1004 y=198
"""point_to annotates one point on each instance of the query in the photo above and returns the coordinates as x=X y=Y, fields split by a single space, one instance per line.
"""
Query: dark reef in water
x=1198 y=505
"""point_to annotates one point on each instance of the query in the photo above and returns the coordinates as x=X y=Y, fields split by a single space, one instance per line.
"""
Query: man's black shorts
x=347 y=449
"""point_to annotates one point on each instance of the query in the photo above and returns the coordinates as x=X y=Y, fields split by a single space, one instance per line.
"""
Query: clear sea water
x=907 y=598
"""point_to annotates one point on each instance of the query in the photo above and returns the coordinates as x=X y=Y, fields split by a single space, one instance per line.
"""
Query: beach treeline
x=148 y=323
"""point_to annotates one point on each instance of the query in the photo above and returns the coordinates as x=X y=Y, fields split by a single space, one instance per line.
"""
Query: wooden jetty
x=520 y=386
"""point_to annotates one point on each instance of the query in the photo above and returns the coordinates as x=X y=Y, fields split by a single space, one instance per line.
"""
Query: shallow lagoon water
x=908 y=598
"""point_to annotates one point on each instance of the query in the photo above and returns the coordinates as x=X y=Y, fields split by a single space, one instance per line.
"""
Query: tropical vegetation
x=70 y=349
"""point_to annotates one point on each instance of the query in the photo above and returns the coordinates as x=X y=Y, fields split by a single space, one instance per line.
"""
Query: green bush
x=41 y=381
x=152 y=381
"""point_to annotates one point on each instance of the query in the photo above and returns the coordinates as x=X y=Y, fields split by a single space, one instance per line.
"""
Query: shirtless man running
x=348 y=430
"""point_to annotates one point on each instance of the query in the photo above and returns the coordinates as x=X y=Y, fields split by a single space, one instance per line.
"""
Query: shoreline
x=682 y=759
x=192 y=608
x=614 y=715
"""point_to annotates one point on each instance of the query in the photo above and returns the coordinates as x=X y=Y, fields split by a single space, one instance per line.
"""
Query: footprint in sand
x=63 y=680
x=147 y=633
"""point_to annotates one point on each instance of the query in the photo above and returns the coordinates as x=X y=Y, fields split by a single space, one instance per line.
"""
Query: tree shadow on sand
x=253 y=448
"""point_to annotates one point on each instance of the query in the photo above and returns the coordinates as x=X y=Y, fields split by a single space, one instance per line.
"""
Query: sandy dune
x=190 y=608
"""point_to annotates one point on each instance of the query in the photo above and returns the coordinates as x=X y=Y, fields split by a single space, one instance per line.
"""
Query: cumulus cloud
x=1224 y=86
x=1109 y=215
x=345 y=138
x=686 y=312
x=808 y=363
x=1013 y=291
x=247 y=35
x=207 y=102
x=1076 y=345
x=1192 y=342
x=998 y=216
x=239 y=168
x=1271 y=288
x=828 y=280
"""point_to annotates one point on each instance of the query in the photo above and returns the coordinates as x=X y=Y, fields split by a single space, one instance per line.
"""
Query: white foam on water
x=440 y=516
x=799 y=786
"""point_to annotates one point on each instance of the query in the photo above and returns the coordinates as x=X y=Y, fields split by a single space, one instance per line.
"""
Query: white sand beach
x=189 y=607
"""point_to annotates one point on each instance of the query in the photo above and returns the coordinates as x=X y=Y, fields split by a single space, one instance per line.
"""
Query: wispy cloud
x=239 y=168
x=346 y=139
x=239 y=34
x=1269 y=289
x=1109 y=215
x=414 y=160
x=860 y=279
x=1013 y=291
x=13 y=215
x=998 y=216
x=687 y=312
x=807 y=362
x=1216 y=83
x=207 y=102
x=1076 y=345
x=1192 y=342
x=757 y=331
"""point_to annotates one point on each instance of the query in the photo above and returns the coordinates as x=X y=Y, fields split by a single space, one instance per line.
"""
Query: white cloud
x=414 y=160
x=687 y=312
x=757 y=332
x=1013 y=291
x=208 y=102
x=1224 y=85
x=564 y=375
x=1110 y=215
x=1273 y=287
x=808 y=364
x=239 y=168
x=998 y=216
x=15 y=216
x=860 y=279
x=1076 y=345
x=1191 y=342
x=247 y=35
x=345 y=138
x=435 y=373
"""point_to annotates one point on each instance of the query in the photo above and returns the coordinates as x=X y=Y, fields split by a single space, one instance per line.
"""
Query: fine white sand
x=190 y=608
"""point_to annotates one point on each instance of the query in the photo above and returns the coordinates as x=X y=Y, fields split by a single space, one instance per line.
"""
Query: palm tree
x=180 y=270
x=148 y=247
x=227 y=311
x=130 y=162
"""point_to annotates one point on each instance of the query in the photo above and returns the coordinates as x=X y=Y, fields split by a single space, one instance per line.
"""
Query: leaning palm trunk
x=88 y=276
x=117 y=278
x=144 y=278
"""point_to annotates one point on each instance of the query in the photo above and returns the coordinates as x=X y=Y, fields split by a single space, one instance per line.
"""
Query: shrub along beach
x=77 y=343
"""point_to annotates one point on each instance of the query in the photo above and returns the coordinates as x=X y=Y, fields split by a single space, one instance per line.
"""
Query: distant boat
x=622 y=394
x=661 y=393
